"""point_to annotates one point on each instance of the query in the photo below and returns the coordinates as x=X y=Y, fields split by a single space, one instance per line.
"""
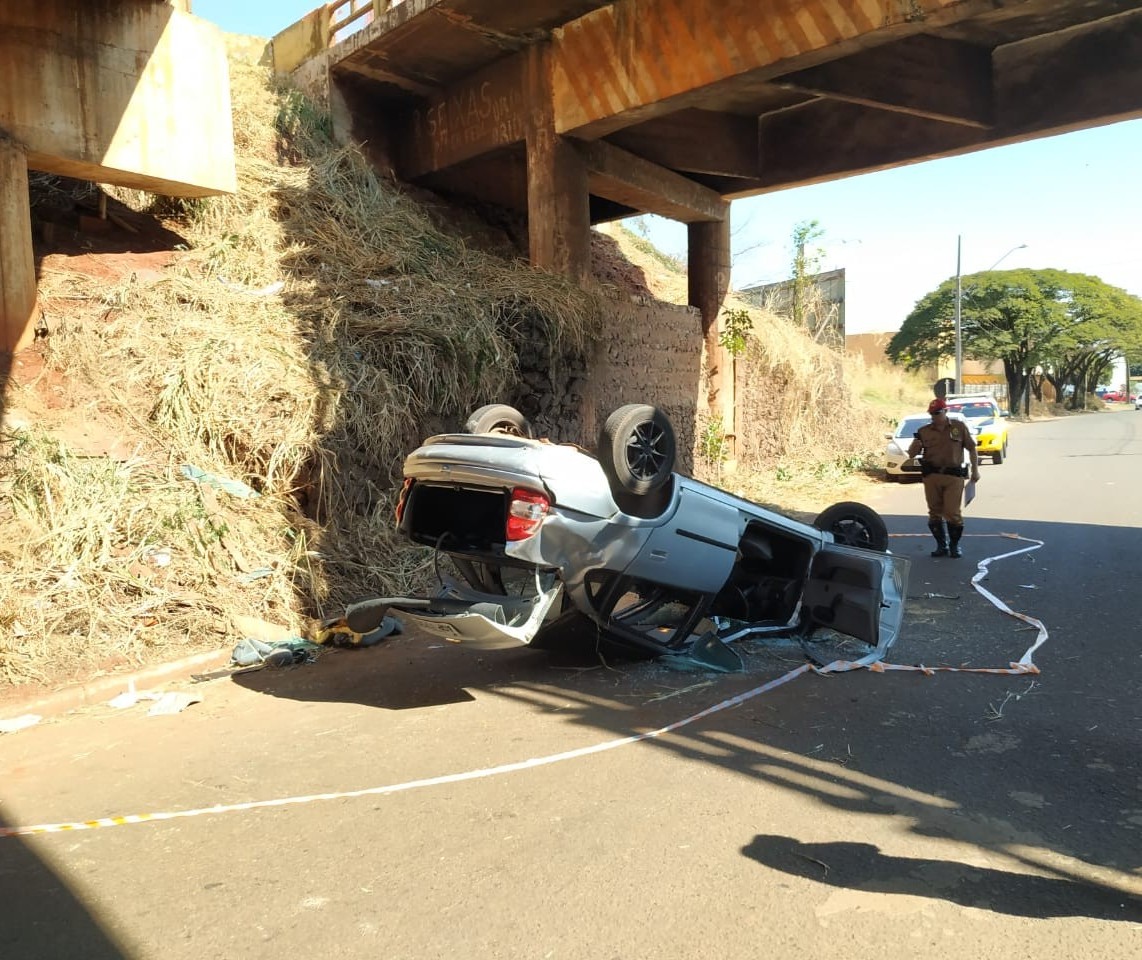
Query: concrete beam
x=17 y=266
x=922 y=76
x=697 y=141
x=135 y=94
x=828 y=139
x=1066 y=81
x=637 y=59
x=642 y=185
x=484 y=113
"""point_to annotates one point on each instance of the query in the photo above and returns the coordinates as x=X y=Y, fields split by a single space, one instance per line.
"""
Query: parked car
x=1113 y=396
x=986 y=419
x=532 y=537
x=897 y=464
x=1138 y=402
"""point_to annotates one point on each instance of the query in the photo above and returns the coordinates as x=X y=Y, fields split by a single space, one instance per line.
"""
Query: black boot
x=937 y=528
x=955 y=531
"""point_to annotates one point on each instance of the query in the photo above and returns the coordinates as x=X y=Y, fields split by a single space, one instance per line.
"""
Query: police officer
x=943 y=443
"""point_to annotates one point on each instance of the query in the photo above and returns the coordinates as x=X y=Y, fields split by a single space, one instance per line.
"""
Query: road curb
x=100 y=690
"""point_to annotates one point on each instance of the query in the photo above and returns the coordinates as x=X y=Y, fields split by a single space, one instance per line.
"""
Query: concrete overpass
x=134 y=93
x=572 y=112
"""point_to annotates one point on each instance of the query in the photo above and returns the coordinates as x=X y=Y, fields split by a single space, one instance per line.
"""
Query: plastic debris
x=131 y=696
x=708 y=653
x=233 y=487
x=174 y=702
x=251 y=651
x=16 y=724
x=157 y=556
x=337 y=633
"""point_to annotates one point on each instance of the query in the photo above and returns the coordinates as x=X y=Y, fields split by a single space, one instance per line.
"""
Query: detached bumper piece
x=483 y=621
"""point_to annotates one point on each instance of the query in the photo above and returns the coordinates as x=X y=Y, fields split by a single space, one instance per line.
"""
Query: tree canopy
x=1065 y=327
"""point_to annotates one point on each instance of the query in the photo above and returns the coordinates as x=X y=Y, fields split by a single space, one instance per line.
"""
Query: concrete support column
x=17 y=265
x=708 y=263
x=558 y=198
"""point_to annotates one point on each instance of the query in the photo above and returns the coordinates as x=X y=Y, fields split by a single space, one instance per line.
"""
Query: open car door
x=858 y=593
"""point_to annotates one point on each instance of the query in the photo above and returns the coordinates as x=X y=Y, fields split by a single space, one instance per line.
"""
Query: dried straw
x=317 y=325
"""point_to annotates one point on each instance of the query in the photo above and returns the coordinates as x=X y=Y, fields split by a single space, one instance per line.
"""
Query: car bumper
x=906 y=467
x=990 y=443
x=458 y=613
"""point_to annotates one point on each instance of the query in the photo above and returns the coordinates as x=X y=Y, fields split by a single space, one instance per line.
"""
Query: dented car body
x=538 y=534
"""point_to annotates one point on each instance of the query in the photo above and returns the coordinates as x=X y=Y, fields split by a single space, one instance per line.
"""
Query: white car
x=897 y=464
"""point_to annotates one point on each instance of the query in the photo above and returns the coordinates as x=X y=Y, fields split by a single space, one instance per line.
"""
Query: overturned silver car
x=540 y=538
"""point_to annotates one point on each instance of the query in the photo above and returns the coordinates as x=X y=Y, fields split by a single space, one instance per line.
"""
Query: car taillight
x=525 y=513
x=402 y=500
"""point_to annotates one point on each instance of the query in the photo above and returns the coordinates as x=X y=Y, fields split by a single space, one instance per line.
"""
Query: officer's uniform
x=943 y=446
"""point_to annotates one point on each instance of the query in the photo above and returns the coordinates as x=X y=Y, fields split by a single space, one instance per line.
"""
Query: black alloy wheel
x=854 y=525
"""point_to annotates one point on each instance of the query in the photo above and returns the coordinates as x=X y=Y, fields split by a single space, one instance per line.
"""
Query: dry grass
x=317 y=326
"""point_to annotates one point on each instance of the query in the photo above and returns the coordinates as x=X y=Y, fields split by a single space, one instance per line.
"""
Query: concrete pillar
x=709 y=280
x=17 y=265
x=558 y=197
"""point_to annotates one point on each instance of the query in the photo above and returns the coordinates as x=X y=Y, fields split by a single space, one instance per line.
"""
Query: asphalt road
x=449 y=804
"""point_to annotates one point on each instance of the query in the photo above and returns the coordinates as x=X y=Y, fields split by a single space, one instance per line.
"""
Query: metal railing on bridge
x=323 y=27
x=349 y=16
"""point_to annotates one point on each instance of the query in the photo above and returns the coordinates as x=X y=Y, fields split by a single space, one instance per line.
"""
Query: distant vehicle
x=897 y=464
x=1138 y=402
x=985 y=418
x=1114 y=396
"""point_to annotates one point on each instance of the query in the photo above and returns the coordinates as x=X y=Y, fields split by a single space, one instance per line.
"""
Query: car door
x=857 y=592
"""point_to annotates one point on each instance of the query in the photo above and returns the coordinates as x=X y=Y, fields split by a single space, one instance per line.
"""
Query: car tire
x=498 y=418
x=998 y=457
x=637 y=449
x=854 y=525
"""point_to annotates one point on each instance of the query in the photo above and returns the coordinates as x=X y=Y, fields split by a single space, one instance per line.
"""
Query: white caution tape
x=872 y=663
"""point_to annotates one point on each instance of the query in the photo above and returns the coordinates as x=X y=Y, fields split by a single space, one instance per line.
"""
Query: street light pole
x=1021 y=246
x=959 y=308
x=959 y=325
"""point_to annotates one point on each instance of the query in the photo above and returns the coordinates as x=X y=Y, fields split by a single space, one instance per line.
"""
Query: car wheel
x=997 y=457
x=854 y=525
x=637 y=449
x=498 y=418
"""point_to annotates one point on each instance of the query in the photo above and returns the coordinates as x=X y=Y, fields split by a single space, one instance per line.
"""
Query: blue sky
x=1074 y=200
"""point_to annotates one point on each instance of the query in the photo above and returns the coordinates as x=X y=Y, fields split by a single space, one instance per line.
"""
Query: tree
x=1069 y=325
x=804 y=266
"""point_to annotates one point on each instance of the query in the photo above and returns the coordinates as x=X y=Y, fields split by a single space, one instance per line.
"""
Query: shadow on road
x=43 y=917
x=1007 y=764
x=861 y=866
